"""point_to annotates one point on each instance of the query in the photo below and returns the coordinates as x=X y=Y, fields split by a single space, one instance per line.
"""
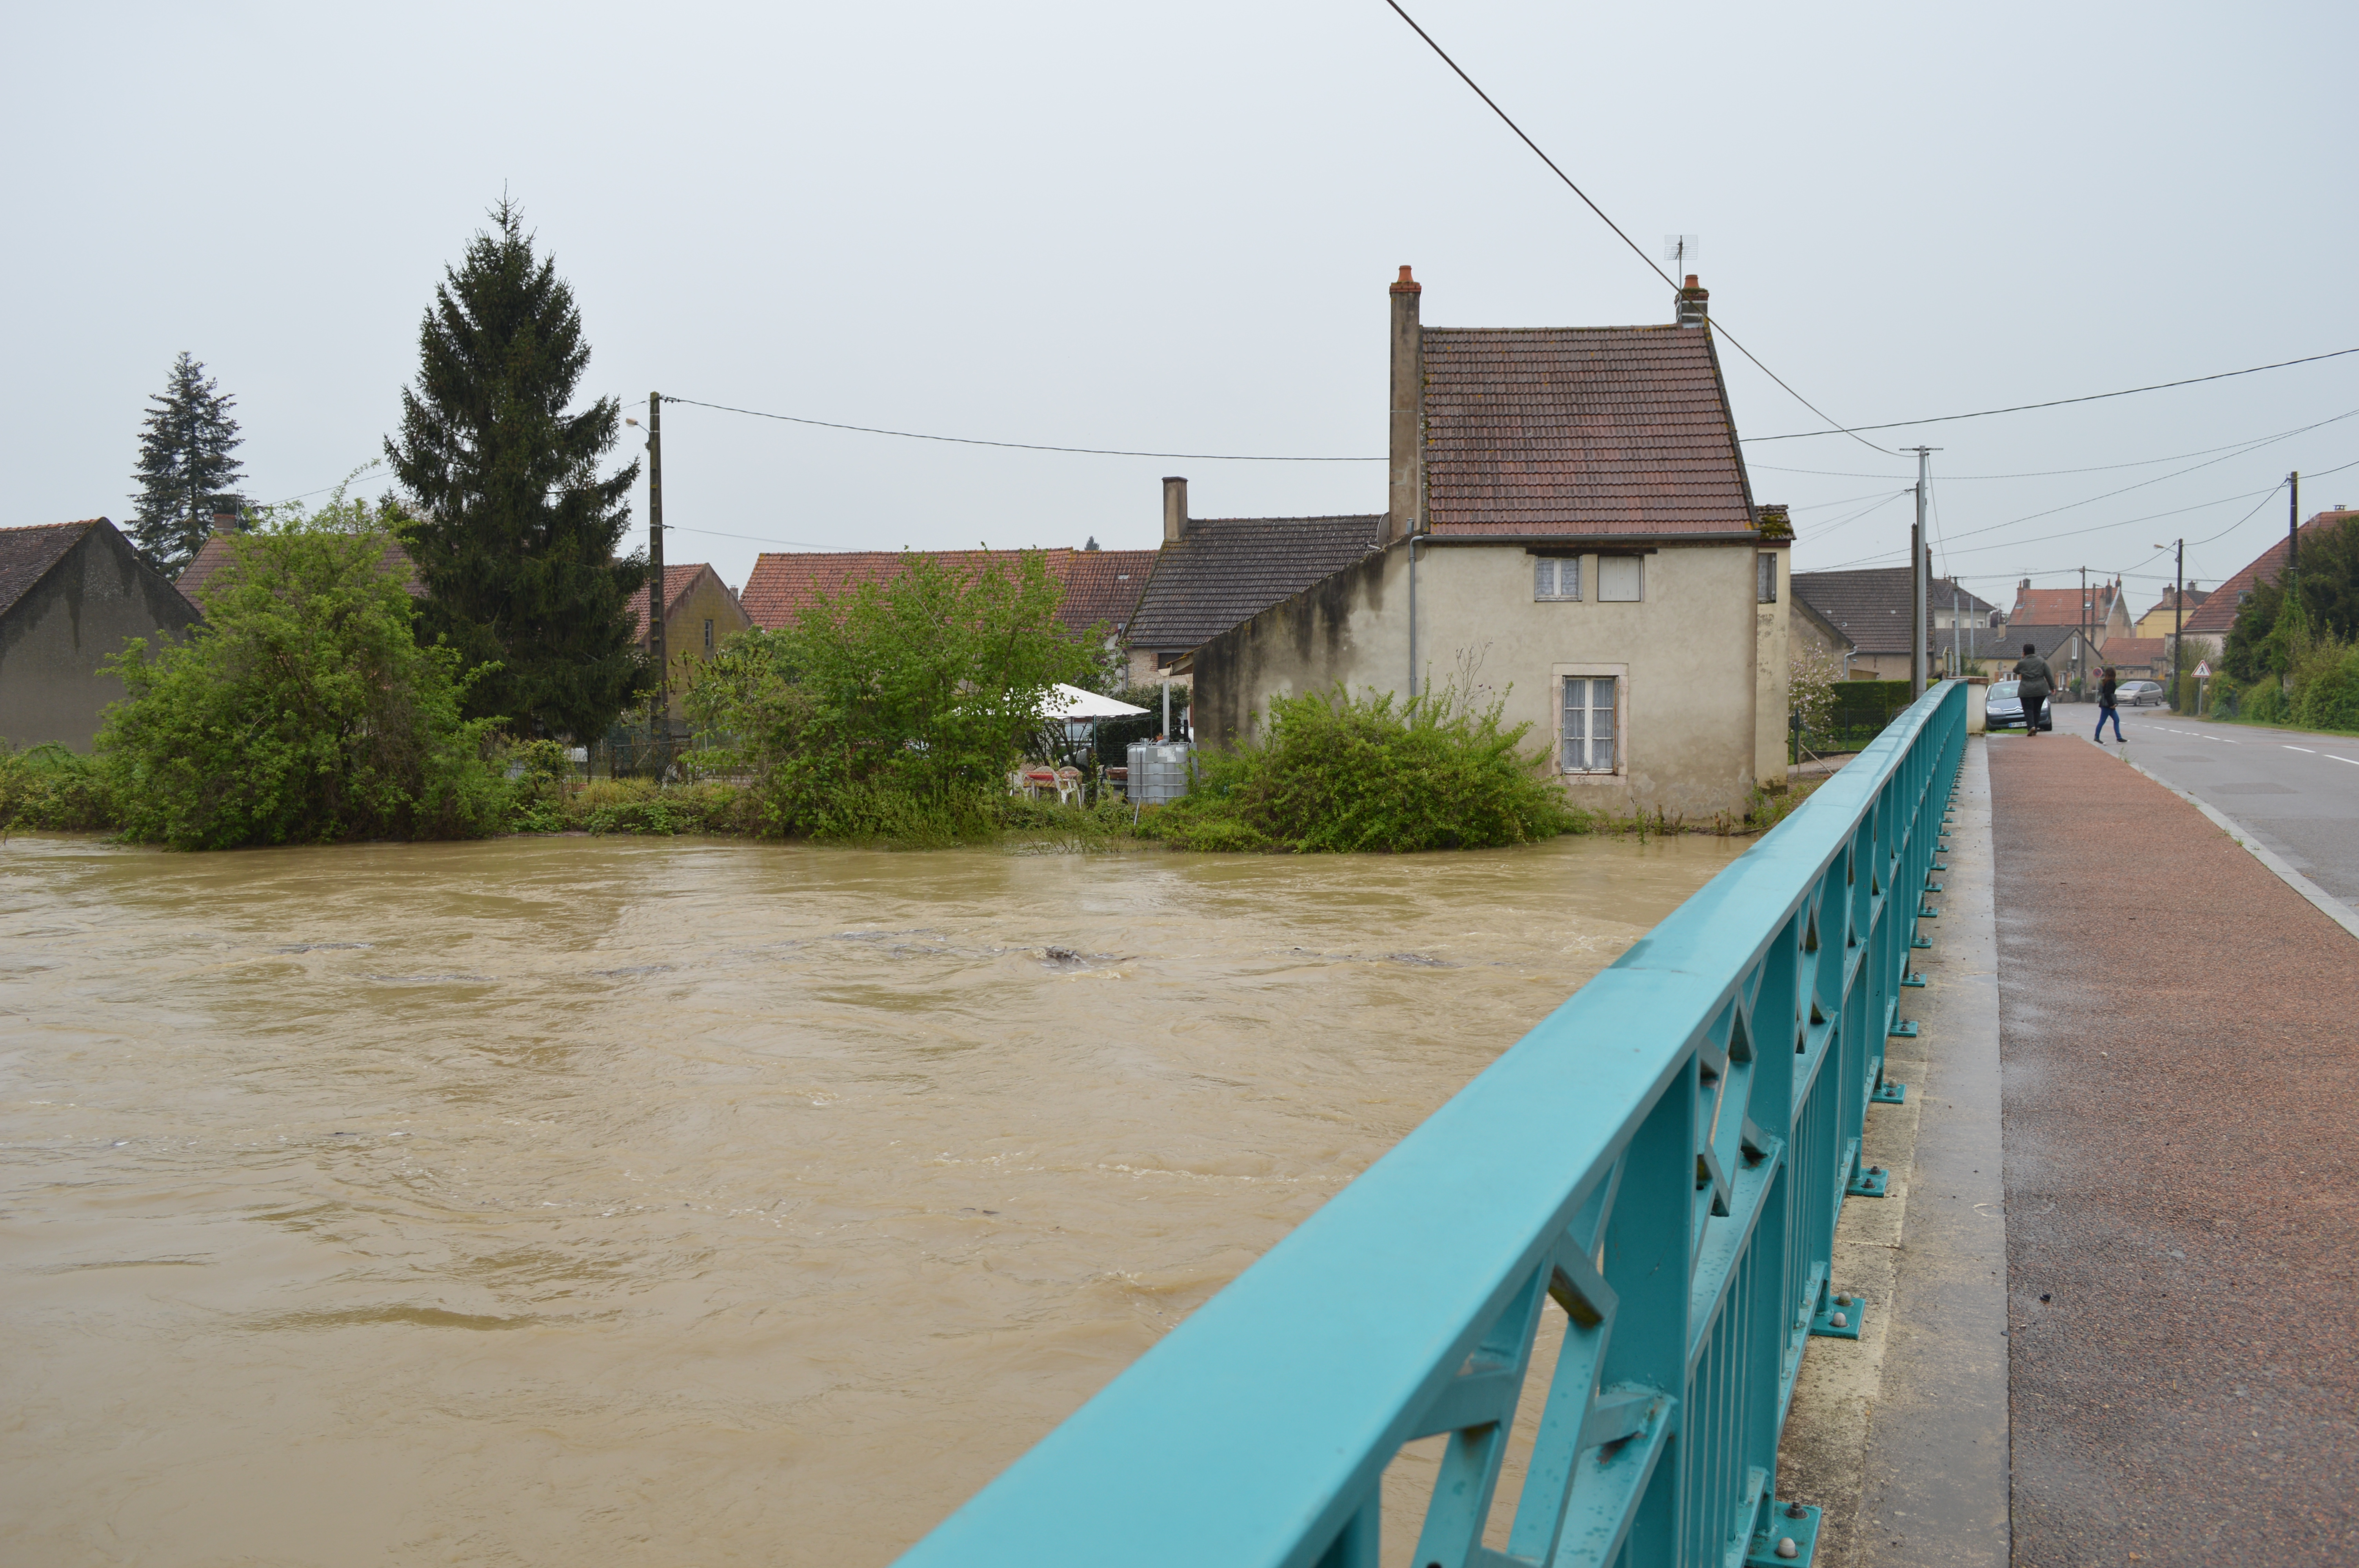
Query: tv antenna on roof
x=1680 y=250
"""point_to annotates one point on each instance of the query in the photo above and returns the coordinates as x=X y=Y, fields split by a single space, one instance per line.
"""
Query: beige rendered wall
x=706 y=599
x=1698 y=722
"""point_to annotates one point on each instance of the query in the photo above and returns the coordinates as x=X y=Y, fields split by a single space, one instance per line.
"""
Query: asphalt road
x=2297 y=793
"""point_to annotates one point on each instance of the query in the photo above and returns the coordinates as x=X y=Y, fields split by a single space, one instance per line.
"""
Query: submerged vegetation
x=1338 y=773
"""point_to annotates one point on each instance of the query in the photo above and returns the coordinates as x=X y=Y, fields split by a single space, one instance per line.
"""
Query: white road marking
x=2332 y=758
x=2304 y=750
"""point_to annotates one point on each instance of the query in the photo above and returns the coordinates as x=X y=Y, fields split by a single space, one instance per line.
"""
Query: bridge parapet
x=1666 y=1155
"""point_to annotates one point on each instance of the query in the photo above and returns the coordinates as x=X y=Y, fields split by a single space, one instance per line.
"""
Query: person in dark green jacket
x=2033 y=684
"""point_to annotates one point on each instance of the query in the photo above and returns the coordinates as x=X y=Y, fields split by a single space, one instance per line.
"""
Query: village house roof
x=2195 y=596
x=1225 y=571
x=27 y=555
x=1101 y=586
x=2064 y=606
x=2045 y=640
x=2134 y=652
x=677 y=580
x=214 y=555
x=1872 y=606
x=2217 y=613
x=1580 y=430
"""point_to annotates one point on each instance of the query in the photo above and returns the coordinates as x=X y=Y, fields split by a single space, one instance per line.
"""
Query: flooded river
x=596 y=1201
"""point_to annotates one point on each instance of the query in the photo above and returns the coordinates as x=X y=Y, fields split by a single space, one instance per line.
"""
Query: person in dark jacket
x=2106 y=707
x=2033 y=683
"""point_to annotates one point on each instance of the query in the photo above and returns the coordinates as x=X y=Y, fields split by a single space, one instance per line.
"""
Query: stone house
x=1571 y=530
x=701 y=613
x=70 y=594
x=1874 y=607
x=2103 y=607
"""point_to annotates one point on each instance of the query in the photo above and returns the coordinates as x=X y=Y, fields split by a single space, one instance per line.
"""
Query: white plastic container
x=1158 y=771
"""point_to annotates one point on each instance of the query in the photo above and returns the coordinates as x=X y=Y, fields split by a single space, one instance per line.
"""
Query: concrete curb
x=2329 y=905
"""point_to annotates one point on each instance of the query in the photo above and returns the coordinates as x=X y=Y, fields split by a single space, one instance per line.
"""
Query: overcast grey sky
x=1171 y=228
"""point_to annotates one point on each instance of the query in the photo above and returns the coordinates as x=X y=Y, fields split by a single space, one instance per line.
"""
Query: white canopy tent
x=1070 y=703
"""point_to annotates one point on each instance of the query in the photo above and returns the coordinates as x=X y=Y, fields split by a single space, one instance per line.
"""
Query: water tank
x=1158 y=771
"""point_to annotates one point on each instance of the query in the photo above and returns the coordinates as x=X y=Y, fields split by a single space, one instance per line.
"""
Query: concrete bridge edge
x=1902 y=1436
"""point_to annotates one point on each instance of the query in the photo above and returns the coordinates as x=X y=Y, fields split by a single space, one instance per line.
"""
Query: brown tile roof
x=677 y=580
x=214 y=555
x=1100 y=585
x=1872 y=607
x=27 y=554
x=1228 y=570
x=2217 y=614
x=2134 y=652
x=2195 y=596
x=1580 y=430
x=2062 y=606
x=1104 y=585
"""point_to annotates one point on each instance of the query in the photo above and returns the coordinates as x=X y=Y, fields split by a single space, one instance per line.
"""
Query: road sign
x=2203 y=669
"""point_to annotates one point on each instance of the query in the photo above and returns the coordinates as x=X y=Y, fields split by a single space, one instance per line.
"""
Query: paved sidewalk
x=2180 y=1045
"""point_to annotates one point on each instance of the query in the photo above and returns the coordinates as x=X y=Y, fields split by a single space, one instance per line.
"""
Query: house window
x=1621 y=579
x=708 y=633
x=1589 y=702
x=1764 y=577
x=1556 y=577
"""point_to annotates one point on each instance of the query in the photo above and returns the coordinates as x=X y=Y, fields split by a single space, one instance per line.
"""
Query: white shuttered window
x=1589 y=704
x=1621 y=578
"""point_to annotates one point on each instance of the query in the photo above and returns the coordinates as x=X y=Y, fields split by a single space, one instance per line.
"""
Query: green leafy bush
x=1335 y=773
x=2330 y=690
x=48 y=789
x=895 y=712
x=302 y=709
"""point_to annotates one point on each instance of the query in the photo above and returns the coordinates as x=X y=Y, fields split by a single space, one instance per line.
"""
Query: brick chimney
x=1175 y=510
x=1405 y=500
x=224 y=520
x=1695 y=302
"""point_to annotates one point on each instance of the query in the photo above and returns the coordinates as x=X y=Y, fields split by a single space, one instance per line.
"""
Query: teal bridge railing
x=1665 y=1155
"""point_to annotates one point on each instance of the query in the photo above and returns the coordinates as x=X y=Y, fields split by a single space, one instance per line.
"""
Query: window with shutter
x=1621 y=579
x=1764 y=577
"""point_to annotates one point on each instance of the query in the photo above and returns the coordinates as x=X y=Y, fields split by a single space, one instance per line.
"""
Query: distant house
x=2103 y=607
x=2136 y=658
x=1807 y=628
x=2209 y=622
x=2164 y=619
x=2071 y=656
x=701 y=613
x=70 y=594
x=1875 y=609
x=1570 y=529
x=196 y=578
x=1213 y=573
x=1102 y=587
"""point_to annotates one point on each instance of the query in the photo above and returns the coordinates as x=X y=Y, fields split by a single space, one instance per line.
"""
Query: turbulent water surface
x=590 y=1201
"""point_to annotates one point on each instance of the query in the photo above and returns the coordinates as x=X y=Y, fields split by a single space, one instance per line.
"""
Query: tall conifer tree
x=517 y=540
x=188 y=467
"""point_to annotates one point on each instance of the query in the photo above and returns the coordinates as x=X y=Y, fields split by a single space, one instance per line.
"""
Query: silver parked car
x=2004 y=708
x=2141 y=694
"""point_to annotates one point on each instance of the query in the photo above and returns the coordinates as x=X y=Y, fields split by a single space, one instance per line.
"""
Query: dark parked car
x=2141 y=694
x=2003 y=710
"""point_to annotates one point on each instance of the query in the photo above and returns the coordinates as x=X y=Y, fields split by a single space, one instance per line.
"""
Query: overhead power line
x=1017 y=446
x=2057 y=401
x=1838 y=426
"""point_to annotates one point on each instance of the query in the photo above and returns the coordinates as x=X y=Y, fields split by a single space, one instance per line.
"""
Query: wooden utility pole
x=2177 y=623
x=2293 y=528
x=659 y=710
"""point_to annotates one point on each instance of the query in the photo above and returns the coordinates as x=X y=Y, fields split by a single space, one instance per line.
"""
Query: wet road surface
x=2181 y=1049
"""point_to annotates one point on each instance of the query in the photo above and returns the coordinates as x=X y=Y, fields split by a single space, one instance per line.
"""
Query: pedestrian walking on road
x=2033 y=683
x=2105 y=706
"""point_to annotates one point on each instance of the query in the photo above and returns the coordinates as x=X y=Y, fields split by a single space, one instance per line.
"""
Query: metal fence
x=1665 y=1156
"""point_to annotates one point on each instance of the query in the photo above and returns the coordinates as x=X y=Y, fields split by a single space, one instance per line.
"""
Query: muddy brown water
x=595 y=1201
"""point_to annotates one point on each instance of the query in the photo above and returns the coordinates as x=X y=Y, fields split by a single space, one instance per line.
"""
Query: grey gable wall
x=52 y=638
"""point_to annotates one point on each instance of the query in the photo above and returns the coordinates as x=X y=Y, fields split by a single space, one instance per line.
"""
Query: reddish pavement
x=2178 y=1034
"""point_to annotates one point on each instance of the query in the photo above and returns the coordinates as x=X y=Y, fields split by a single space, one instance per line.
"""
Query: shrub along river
x=601 y=1201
